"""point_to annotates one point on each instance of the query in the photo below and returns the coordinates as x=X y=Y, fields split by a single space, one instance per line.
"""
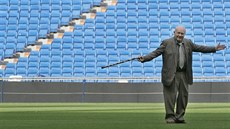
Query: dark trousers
x=176 y=94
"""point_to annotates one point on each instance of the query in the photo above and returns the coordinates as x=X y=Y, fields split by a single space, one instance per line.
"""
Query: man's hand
x=140 y=59
x=220 y=47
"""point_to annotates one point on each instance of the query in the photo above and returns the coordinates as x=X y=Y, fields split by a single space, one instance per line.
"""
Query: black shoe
x=180 y=121
x=170 y=121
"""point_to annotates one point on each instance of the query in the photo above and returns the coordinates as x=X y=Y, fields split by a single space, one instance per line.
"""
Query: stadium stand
x=125 y=30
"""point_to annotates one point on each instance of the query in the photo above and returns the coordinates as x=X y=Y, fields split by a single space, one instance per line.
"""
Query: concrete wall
x=106 y=92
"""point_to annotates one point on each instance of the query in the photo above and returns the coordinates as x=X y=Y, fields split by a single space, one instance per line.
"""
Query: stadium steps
x=59 y=34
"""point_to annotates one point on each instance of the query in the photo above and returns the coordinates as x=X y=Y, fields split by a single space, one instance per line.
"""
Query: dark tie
x=181 y=55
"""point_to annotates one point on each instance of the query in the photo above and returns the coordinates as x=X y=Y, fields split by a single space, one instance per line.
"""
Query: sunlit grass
x=109 y=116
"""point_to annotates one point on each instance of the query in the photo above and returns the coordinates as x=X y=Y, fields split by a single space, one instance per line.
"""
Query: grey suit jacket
x=169 y=53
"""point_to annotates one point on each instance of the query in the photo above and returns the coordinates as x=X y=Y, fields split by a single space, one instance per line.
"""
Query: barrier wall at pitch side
x=106 y=92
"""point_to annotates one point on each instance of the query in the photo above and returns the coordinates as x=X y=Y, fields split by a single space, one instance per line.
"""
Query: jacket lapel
x=185 y=50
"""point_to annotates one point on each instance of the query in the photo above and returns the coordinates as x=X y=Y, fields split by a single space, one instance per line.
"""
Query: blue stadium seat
x=102 y=72
x=125 y=72
x=9 y=72
x=143 y=46
x=137 y=72
x=218 y=5
x=197 y=71
x=158 y=71
x=209 y=32
x=220 y=31
x=56 y=63
x=79 y=72
x=207 y=64
x=219 y=58
x=79 y=64
x=208 y=71
x=207 y=5
x=32 y=64
x=207 y=12
x=196 y=64
x=67 y=72
x=114 y=72
x=8 y=53
x=220 y=71
x=21 y=71
x=55 y=72
x=34 y=56
x=90 y=72
x=13 y=2
x=22 y=62
x=195 y=5
x=148 y=71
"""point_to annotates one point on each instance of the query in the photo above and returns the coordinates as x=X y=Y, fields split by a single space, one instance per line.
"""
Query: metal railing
x=109 y=79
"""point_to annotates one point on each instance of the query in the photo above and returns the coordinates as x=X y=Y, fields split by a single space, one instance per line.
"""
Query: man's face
x=179 y=34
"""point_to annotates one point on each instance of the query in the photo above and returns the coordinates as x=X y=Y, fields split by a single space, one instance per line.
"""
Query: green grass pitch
x=109 y=116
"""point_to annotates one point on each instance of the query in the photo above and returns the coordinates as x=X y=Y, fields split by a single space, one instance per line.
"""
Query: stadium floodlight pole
x=119 y=62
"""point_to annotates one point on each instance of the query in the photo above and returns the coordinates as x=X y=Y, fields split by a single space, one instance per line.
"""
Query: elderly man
x=177 y=71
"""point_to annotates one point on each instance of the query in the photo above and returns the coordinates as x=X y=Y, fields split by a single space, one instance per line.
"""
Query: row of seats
x=218 y=2
x=49 y=2
x=177 y=7
x=97 y=72
x=168 y=10
x=94 y=26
